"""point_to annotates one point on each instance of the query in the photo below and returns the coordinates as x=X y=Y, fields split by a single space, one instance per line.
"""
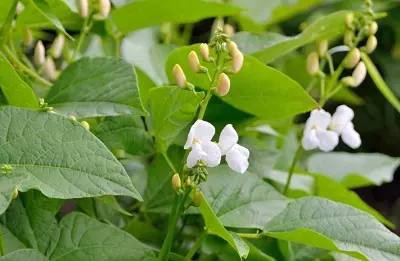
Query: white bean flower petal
x=351 y=137
x=318 y=118
x=201 y=131
x=342 y=116
x=310 y=140
x=328 y=140
x=237 y=158
x=195 y=155
x=208 y=152
x=227 y=139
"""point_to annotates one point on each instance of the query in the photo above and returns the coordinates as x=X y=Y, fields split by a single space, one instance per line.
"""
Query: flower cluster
x=210 y=153
x=323 y=130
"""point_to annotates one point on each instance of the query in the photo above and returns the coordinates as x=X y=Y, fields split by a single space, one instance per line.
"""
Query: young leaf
x=178 y=12
x=102 y=86
x=60 y=156
x=354 y=170
x=325 y=224
x=16 y=91
x=24 y=255
x=257 y=89
x=171 y=110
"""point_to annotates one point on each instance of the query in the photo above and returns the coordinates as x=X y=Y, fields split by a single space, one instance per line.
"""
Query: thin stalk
x=330 y=63
x=250 y=235
x=331 y=94
x=85 y=29
x=7 y=23
x=196 y=246
x=170 y=164
x=291 y=169
x=2 y=247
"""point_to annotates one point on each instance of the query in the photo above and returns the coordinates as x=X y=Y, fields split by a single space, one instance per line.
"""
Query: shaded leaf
x=24 y=255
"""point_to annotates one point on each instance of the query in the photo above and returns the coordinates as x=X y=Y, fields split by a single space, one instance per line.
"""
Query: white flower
x=199 y=139
x=316 y=134
x=236 y=156
x=342 y=125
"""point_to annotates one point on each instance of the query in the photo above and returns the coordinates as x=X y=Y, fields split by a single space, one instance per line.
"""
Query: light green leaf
x=269 y=46
x=82 y=236
x=125 y=132
x=137 y=171
x=325 y=224
x=300 y=185
x=24 y=255
x=16 y=91
x=61 y=157
x=8 y=183
x=111 y=202
x=354 y=170
x=257 y=89
x=172 y=108
x=5 y=7
x=102 y=86
x=178 y=12
x=299 y=252
x=246 y=201
x=380 y=83
x=144 y=84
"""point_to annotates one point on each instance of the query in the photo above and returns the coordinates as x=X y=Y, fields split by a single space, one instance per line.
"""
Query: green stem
x=7 y=23
x=330 y=63
x=85 y=29
x=170 y=164
x=24 y=68
x=250 y=235
x=196 y=246
x=2 y=247
x=291 y=169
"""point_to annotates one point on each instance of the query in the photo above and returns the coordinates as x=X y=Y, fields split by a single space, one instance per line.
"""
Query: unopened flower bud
x=58 y=46
x=348 y=37
x=85 y=124
x=349 y=20
x=224 y=84
x=14 y=194
x=228 y=30
x=323 y=48
x=119 y=153
x=39 y=56
x=72 y=118
x=176 y=182
x=188 y=183
x=83 y=8
x=105 y=7
x=194 y=62
x=359 y=74
x=372 y=42
x=196 y=198
x=179 y=76
x=232 y=48
x=28 y=38
x=348 y=81
x=237 y=61
x=49 y=68
x=352 y=58
x=372 y=28
x=205 y=52
x=313 y=64
x=20 y=8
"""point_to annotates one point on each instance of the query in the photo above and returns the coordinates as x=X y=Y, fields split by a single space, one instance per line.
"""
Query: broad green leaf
x=285 y=11
x=300 y=185
x=24 y=255
x=125 y=132
x=172 y=108
x=269 y=46
x=380 y=83
x=145 y=84
x=16 y=91
x=82 y=237
x=246 y=201
x=102 y=86
x=111 y=202
x=325 y=224
x=5 y=7
x=60 y=156
x=144 y=232
x=257 y=89
x=137 y=171
x=178 y=12
x=299 y=252
x=354 y=170
x=8 y=183
x=214 y=227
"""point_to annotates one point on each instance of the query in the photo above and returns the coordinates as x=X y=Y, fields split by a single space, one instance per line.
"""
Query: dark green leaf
x=24 y=255
x=8 y=183
x=145 y=84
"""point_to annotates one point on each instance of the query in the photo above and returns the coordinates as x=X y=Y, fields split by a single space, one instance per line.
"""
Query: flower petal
x=243 y=150
x=213 y=153
x=227 y=139
x=351 y=137
x=195 y=155
x=328 y=140
x=201 y=130
x=318 y=118
x=342 y=116
x=310 y=140
x=237 y=160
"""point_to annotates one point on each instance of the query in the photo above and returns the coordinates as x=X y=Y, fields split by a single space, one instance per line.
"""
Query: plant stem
x=2 y=247
x=250 y=235
x=7 y=23
x=291 y=169
x=85 y=29
x=170 y=164
x=24 y=68
x=196 y=246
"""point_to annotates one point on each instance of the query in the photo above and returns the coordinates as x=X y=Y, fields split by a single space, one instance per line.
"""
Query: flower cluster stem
x=196 y=246
x=85 y=29
x=291 y=169
x=2 y=247
x=7 y=23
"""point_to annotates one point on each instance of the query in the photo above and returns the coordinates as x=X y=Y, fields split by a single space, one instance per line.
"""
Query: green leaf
x=60 y=156
x=111 y=202
x=8 y=183
x=82 y=236
x=172 y=108
x=24 y=255
x=269 y=46
x=137 y=171
x=145 y=84
x=257 y=89
x=246 y=201
x=16 y=91
x=214 y=227
x=102 y=86
x=125 y=132
x=300 y=185
x=354 y=170
x=178 y=12
x=325 y=224
x=5 y=7
x=380 y=83
x=299 y=252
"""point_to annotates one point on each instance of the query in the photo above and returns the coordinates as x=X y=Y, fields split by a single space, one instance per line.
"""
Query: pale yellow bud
x=232 y=48
x=72 y=118
x=373 y=28
x=85 y=124
x=372 y=42
x=49 y=69
x=359 y=74
x=176 y=182
x=348 y=37
x=313 y=64
x=105 y=7
x=119 y=153
x=323 y=48
x=179 y=76
x=20 y=8
x=228 y=30
x=188 y=183
x=352 y=58
x=349 y=19
x=28 y=38
x=40 y=53
x=14 y=194
x=224 y=84
x=348 y=81
x=237 y=61
x=196 y=198
x=194 y=62
x=83 y=8
x=205 y=52
x=58 y=46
